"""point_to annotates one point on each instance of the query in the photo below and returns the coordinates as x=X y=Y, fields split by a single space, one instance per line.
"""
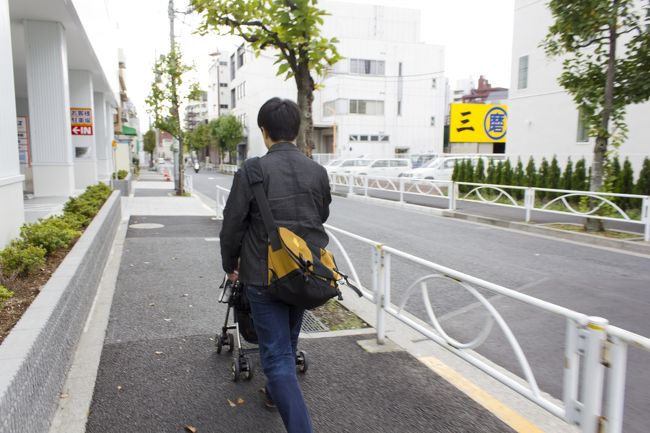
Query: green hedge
x=41 y=239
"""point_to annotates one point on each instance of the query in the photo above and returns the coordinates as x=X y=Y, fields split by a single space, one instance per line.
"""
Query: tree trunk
x=602 y=138
x=305 y=85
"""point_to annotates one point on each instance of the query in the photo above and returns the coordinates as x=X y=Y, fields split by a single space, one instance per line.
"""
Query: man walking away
x=298 y=193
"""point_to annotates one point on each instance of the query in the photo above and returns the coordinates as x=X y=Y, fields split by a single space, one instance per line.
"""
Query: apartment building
x=542 y=118
x=386 y=96
x=218 y=102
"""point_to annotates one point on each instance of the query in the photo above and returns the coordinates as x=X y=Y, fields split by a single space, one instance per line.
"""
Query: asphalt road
x=590 y=280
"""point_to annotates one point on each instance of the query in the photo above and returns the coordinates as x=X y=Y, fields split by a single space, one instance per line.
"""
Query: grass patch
x=336 y=317
x=611 y=234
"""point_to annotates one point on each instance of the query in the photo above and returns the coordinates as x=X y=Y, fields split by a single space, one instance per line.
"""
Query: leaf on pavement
x=158 y=352
x=231 y=403
x=119 y=387
x=240 y=400
x=190 y=428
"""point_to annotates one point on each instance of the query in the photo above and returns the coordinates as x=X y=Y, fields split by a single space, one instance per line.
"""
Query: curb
x=583 y=238
x=35 y=356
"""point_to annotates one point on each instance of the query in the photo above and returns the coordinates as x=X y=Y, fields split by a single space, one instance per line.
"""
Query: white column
x=81 y=97
x=102 y=138
x=11 y=186
x=49 y=108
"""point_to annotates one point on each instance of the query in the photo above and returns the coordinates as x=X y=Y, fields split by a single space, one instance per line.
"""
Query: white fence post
x=378 y=285
x=645 y=212
x=365 y=186
x=594 y=374
x=616 y=385
x=351 y=184
x=401 y=190
x=571 y=373
x=451 y=193
x=529 y=202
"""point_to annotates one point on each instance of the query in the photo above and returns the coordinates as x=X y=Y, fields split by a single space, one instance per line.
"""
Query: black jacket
x=298 y=192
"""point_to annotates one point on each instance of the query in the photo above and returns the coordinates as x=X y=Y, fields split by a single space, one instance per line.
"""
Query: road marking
x=211 y=178
x=212 y=239
x=506 y=414
x=513 y=419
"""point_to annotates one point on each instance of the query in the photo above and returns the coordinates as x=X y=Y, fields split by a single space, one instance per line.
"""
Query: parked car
x=333 y=165
x=352 y=166
x=441 y=168
x=389 y=167
x=423 y=159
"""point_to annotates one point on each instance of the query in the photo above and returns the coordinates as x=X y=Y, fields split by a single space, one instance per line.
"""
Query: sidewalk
x=159 y=370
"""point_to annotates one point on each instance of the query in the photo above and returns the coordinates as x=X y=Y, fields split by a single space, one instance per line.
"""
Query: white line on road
x=212 y=239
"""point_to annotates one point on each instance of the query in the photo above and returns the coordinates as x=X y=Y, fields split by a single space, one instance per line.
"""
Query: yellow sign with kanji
x=478 y=123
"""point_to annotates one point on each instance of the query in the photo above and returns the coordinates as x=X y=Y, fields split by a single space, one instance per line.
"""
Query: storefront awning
x=127 y=130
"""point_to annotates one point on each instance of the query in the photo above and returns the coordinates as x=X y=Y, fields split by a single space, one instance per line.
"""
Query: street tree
x=293 y=29
x=167 y=93
x=588 y=34
x=150 y=144
x=228 y=132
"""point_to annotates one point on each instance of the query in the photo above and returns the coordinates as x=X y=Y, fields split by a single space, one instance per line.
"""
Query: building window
x=223 y=84
x=232 y=67
x=240 y=56
x=367 y=67
x=433 y=83
x=222 y=63
x=583 y=128
x=399 y=108
x=329 y=108
x=369 y=138
x=433 y=120
x=225 y=106
x=360 y=106
x=522 y=82
x=233 y=101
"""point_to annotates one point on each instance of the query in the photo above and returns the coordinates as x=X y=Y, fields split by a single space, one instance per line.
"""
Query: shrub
x=506 y=173
x=20 y=258
x=554 y=174
x=643 y=183
x=121 y=174
x=491 y=172
x=625 y=185
x=86 y=206
x=519 y=179
x=612 y=175
x=479 y=171
x=579 y=181
x=5 y=294
x=50 y=234
x=531 y=173
x=567 y=176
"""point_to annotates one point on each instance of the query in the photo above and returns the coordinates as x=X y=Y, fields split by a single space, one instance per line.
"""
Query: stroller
x=232 y=294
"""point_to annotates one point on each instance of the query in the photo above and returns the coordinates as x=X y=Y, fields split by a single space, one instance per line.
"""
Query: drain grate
x=311 y=323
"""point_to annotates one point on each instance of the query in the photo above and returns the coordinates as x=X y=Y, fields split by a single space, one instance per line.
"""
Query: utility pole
x=180 y=190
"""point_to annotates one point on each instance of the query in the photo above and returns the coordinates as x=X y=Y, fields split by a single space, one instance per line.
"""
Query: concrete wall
x=36 y=355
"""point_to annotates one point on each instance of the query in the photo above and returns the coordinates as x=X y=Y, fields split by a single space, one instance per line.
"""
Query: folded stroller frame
x=232 y=294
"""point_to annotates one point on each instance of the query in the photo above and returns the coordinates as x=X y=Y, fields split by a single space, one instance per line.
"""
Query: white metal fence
x=595 y=352
x=596 y=205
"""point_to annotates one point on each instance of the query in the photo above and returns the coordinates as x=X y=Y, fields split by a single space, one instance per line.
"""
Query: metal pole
x=529 y=202
x=616 y=385
x=365 y=186
x=378 y=284
x=646 y=218
x=401 y=190
x=592 y=390
x=451 y=193
x=351 y=184
x=571 y=373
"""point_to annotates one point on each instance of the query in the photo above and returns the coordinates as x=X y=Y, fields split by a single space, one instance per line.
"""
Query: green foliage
x=5 y=294
x=51 y=234
x=455 y=174
x=543 y=178
x=20 y=259
x=149 y=139
x=579 y=180
x=507 y=174
x=643 y=183
x=228 y=132
x=531 y=173
x=491 y=177
x=612 y=174
x=85 y=207
x=498 y=173
x=519 y=179
x=625 y=185
x=469 y=170
x=554 y=174
x=585 y=33
x=120 y=175
x=199 y=137
x=567 y=176
x=479 y=171
x=292 y=29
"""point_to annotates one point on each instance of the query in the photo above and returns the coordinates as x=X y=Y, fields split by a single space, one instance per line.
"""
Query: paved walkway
x=159 y=370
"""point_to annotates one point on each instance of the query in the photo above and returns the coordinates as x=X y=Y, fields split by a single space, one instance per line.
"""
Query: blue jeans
x=278 y=326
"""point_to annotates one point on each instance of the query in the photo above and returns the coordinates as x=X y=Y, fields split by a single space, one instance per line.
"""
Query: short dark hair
x=280 y=118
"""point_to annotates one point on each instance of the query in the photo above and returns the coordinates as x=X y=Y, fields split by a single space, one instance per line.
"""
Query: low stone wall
x=36 y=355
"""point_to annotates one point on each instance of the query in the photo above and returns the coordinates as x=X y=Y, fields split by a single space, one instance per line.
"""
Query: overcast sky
x=476 y=34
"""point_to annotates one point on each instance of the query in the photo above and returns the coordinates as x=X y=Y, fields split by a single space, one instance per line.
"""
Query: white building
x=386 y=96
x=219 y=79
x=196 y=112
x=58 y=82
x=542 y=118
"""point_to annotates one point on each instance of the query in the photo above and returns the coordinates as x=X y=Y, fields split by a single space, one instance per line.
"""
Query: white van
x=441 y=168
x=351 y=166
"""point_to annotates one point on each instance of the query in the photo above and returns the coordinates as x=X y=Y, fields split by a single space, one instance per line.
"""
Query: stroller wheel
x=301 y=361
x=246 y=368
x=219 y=342
x=236 y=369
x=231 y=342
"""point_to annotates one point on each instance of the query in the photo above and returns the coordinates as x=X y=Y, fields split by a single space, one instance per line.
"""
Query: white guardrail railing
x=563 y=202
x=595 y=352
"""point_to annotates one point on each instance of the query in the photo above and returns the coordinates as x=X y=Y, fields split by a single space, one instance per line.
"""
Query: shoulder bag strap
x=256 y=181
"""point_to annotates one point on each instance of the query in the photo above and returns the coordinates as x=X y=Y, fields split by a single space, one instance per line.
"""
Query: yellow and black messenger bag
x=298 y=274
